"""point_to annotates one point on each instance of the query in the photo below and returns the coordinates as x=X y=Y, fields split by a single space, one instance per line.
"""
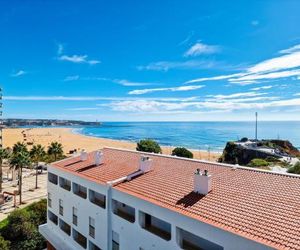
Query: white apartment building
x=121 y=199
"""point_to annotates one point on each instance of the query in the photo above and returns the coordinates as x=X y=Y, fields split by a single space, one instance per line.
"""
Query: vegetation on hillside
x=20 y=229
x=295 y=169
x=256 y=163
x=182 y=152
x=148 y=145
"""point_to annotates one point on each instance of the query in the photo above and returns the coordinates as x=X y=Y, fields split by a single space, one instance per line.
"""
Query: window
x=124 y=211
x=92 y=246
x=75 y=218
x=97 y=198
x=52 y=178
x=61 y=207
x=79 y=190
x=92 y=227
x=189 y=241
x=49 y=200
x=64 y=183
x=115 y=241
x=65 y=227
x=52 y=217
x=79 y=238
x=155 y=226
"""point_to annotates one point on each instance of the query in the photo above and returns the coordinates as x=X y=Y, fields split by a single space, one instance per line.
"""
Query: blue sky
x=150 y=60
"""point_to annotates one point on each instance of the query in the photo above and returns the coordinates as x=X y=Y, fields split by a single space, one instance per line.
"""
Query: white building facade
x=84 y=214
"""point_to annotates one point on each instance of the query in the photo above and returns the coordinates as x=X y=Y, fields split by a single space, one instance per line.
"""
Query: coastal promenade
x=71 y=141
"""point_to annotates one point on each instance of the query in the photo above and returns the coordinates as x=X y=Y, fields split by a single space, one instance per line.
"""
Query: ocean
x=195 y=135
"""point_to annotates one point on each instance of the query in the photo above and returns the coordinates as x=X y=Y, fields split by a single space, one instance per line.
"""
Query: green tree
x=4 y=244
x=148 y=145
x=22 y=227
x=295 y=169
x=182 y=152
x=4 y=154
x=37 y=154
x=19 y=147
x=56 y=150
x=18 y=161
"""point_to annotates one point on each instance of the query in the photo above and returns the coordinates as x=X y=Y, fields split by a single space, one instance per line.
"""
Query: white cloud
x=167 y=65
x=200 y=49
x=235 y=95
x=82 y=109
x=72 y=78
x=214 y=78
x=60 y=49
x=290 y=50
x=129 y=83
x=283 y=66
x=78 y=59
x=19 y=73
x=91 y=98
x=181 y=88
x=252 y=78
x=263 y=87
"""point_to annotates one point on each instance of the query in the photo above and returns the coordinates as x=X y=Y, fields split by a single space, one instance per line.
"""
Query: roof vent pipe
x=202 y=182
x=83 y=155
x=145 y=164
x=98 y=158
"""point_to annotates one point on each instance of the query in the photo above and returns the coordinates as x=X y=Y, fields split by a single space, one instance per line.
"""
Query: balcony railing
x=158 y=231
x=123 y=214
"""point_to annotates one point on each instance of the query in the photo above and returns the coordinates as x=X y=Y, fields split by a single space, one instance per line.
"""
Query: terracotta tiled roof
x=261 y=206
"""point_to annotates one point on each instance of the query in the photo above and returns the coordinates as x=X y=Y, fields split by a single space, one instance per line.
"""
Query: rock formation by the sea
x=243 y=151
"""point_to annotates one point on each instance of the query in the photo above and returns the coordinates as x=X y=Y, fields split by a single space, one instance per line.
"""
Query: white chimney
x=98 y=158
x=202 y=182
x=83 y=155
x=145 y=164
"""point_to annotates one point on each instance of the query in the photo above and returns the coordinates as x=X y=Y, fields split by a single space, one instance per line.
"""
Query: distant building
x=121 y=199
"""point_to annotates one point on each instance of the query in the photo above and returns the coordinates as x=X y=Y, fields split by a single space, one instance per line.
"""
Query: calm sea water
x=195 y=135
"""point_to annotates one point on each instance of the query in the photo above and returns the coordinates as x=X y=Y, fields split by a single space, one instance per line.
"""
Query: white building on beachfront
x=121 y=199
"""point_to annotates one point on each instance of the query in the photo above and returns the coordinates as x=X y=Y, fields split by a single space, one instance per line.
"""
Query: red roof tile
x=262 y=206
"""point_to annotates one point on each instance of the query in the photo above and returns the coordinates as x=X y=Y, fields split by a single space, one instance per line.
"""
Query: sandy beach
x=71 y=141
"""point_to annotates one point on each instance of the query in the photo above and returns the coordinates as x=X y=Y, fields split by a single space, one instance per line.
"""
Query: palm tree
x=18 y=161
x=37 y=154
x=4 y=154
x=18 y=147
x=55 y=149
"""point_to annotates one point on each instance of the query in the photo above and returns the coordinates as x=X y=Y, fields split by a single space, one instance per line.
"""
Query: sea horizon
x=206 y=135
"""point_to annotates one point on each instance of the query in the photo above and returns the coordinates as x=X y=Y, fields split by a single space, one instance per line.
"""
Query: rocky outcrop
x=236 y=153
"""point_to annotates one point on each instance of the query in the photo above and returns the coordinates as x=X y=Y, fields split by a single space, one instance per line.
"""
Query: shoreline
x=128 y=141
x=71 y=140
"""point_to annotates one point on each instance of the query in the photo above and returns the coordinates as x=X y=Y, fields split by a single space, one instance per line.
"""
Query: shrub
x=21 y=227
x=258 y=163
x=182 y=152
x=4 y=244
x=244 y=139
x=295 y=169
x=148 y=145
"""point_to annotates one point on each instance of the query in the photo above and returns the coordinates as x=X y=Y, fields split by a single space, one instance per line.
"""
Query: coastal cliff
x=244 y=151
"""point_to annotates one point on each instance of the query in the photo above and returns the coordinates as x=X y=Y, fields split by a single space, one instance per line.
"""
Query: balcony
x=97 y=198
x=65 y=184
x=52 y=217
x=124 y=211
x=79 y=238
x=92 y=246
x=65 y=227
x=155 y=226
x=79 y=190
x=189 y=241
x=52 y=178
